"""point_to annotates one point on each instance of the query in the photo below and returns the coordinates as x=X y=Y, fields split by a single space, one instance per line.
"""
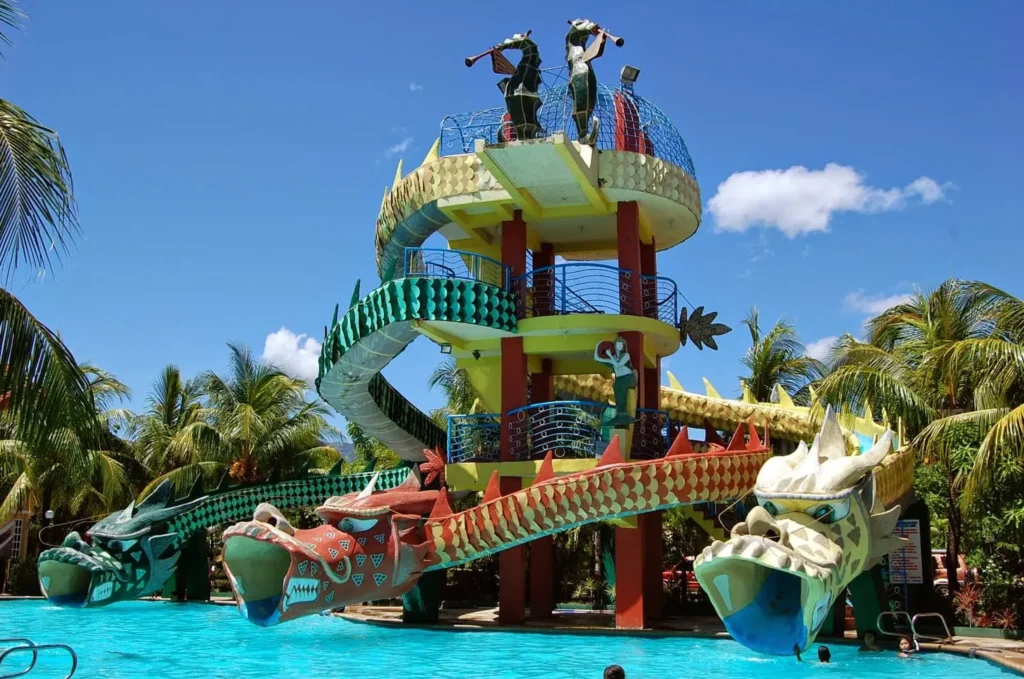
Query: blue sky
x=230 y=158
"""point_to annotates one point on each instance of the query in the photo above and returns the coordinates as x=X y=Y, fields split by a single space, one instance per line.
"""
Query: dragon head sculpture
x=128 y=554
x=816 y=527
x=372 y=546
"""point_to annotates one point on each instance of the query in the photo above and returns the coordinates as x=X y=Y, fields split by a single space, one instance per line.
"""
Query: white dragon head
x=816 y=527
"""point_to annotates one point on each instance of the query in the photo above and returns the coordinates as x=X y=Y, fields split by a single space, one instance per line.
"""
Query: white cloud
x=798 y=201
x=415 y=87
x=293 y=354
x=400 y=147
x=873 y=305
x=821 y=348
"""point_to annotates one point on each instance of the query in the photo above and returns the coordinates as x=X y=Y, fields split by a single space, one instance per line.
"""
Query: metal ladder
x=23 y=645
x=911 y=624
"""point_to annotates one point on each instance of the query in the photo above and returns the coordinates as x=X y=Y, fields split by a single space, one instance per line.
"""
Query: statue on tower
x=582 y=80
x=617 y=357
x=520 y=90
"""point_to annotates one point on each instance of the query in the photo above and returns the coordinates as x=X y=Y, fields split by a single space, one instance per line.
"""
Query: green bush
x=22 y=579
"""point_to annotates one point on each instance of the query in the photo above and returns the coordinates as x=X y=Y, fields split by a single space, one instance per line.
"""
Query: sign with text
x=907 y=565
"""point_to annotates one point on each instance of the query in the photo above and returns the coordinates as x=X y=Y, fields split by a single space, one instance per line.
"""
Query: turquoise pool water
x=180 y=641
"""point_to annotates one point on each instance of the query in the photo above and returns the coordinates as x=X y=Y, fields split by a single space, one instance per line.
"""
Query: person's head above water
x=869 y=638
x=824 y=655
x=905 y=645
x=614 y=672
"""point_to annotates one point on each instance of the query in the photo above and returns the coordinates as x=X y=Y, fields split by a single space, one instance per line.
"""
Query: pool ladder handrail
x=912 y=625
x=948 y=639
x=34 y=648
x=23 y=642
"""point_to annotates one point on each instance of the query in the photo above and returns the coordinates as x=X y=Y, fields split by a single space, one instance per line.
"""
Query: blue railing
x=660 y=298
x=628 y=122
x=473 y=438
x=587 y=288
x=568 y=429
x=652 y=434
x=576 y=288
x=443 y=263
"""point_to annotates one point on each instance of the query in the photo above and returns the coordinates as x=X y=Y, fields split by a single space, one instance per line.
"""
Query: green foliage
x=22 y=579
x=369 y=453
x=776 y=358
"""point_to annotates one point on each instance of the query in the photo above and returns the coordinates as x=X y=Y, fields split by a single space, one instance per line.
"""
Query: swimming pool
x=183 y=641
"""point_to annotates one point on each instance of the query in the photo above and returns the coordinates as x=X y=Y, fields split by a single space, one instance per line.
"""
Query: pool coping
x=1009 y=656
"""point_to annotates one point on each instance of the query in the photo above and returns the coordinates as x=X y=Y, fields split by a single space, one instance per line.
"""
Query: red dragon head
x=371 y=547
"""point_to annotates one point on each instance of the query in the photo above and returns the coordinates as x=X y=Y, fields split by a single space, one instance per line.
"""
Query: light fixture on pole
x=629 y=74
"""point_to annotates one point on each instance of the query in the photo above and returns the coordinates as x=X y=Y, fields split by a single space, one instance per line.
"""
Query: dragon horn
x=368 y=491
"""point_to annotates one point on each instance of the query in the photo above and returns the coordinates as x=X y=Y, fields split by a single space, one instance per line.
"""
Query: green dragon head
x=128 y=554
x=816 y=527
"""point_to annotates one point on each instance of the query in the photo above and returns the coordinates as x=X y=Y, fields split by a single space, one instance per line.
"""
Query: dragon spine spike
x=546 y=471
x=442 y=508
x=368 y=491
x=681 y=446
x=738 y=441
x=754 y=443
x=612 y=454
x=336 y=469
x=398 y=174
x=198 y=489
x=493 y=491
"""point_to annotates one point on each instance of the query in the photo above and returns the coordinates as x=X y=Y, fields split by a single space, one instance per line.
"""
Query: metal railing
x=628 y=122
x=28 y=646
x=651 y=435
x=567 y=429
x=659 y=297
x=589 y=288
x=474 y=438
x=442 y=263
x=917 y=635
x=896 y=616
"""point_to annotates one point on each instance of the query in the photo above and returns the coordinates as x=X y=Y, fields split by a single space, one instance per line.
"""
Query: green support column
x=194 y=567
x=422 y=604
x=867 y=592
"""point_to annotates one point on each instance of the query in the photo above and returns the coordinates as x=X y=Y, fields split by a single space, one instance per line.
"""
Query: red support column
x=512 y=562
x=627 y=221
x=631 y=603
x=544 y=281
x=513 y=255
x=542 y=551
x=650 y=524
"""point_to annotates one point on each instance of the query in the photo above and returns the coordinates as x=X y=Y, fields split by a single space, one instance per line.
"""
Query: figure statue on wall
x=582 y=80
x=617 y=357
x=520 y=90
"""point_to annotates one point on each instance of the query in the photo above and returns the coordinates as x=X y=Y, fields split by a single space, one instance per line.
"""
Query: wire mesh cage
x=627 y=122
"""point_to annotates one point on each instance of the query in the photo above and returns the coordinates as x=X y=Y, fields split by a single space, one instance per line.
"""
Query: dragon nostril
x=772 y=534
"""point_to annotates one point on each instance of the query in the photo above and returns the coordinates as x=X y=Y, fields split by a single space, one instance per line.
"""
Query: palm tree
x=460 y=397
x=943 y=361
x=83 y=473
x=777 y=358
x=171 y=432
x=39 y=378
x=257 y=426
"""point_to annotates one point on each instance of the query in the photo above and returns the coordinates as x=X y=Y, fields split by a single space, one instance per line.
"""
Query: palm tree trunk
x=955 y=527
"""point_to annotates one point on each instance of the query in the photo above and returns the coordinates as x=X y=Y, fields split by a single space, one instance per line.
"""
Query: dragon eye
x=823 y=513
x=346 y=525
x=771 y=508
